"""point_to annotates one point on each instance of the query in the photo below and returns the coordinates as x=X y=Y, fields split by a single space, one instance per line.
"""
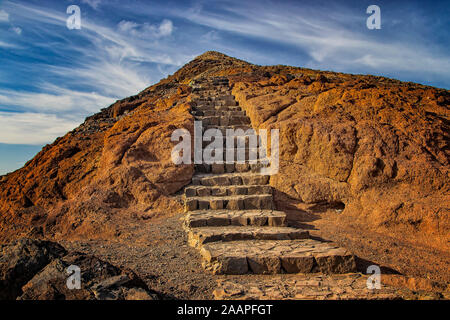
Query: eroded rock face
x=377 y=145
x=21 y=260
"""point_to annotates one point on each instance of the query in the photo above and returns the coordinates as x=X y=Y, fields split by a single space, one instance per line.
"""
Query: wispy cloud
x=145 y=29
x=17 y=30
x=212 y=35
x=5 y=19
x=42 y=117
x=8 y=45
x=111 y=62
x=32 y=128
x=4 y=16
x=93 y=3
x=55 y=100
x=329 y=38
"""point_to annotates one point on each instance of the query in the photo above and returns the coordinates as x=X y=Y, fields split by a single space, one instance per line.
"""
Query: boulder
x=21 y=260
x=99 y=281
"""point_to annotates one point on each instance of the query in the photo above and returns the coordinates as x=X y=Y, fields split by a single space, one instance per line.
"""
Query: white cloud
x=165 y=28
x=7 y=45
x=146 y=30
x=17 y=30
x=4 y=16
x=55 y=100
x=127 y=26
x=93 y=3
x=210 y=36
x=112 y=79
x=32 y=128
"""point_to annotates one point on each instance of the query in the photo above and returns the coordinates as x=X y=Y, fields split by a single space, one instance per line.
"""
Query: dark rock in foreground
x=21 y=260
x=38 y=270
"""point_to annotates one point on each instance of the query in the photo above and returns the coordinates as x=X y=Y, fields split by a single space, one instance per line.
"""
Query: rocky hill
x=373 y=150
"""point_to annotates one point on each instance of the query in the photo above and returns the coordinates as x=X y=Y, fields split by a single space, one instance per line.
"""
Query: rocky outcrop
x=377 y=147
x=99 y=281
x=38 y=270
x=21 y=260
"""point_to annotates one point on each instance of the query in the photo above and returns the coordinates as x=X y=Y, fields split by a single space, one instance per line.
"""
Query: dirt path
x=158 y=252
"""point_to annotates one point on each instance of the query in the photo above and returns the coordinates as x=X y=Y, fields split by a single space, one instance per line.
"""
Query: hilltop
x=361 y=157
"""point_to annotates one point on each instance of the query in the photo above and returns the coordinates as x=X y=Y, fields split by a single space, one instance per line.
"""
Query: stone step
x=232 y=167
x=203 y=80
x=211 y=80
x=223 y=97
x=226 y=103
x=206 y=92
x=227 y=179
x=276 y=256
x=212 y=84
x=201 y=191
x=217 y=218
x=236 y=202
x=223 y=120
x=200 y=236
x=202 y=93
x=213 y=89
x=219 y=84
x=223 y=129
x=217 y=103
x=220 y=81
x=312 y=286
x=238 y=141
x=211 y=106
x=218 y=113
x=215 y=108
x=235 y=155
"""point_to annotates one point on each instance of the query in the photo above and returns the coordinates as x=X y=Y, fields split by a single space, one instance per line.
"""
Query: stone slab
x=275 y=256
x=227 y=179
x=306 y=287
x=234 y=202
x=203 y=218
x=202 y=235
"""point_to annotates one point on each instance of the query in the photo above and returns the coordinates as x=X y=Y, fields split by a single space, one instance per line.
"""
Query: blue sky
x=51 y=77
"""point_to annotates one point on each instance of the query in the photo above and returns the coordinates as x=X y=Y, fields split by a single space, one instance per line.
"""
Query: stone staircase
x=230 y=214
